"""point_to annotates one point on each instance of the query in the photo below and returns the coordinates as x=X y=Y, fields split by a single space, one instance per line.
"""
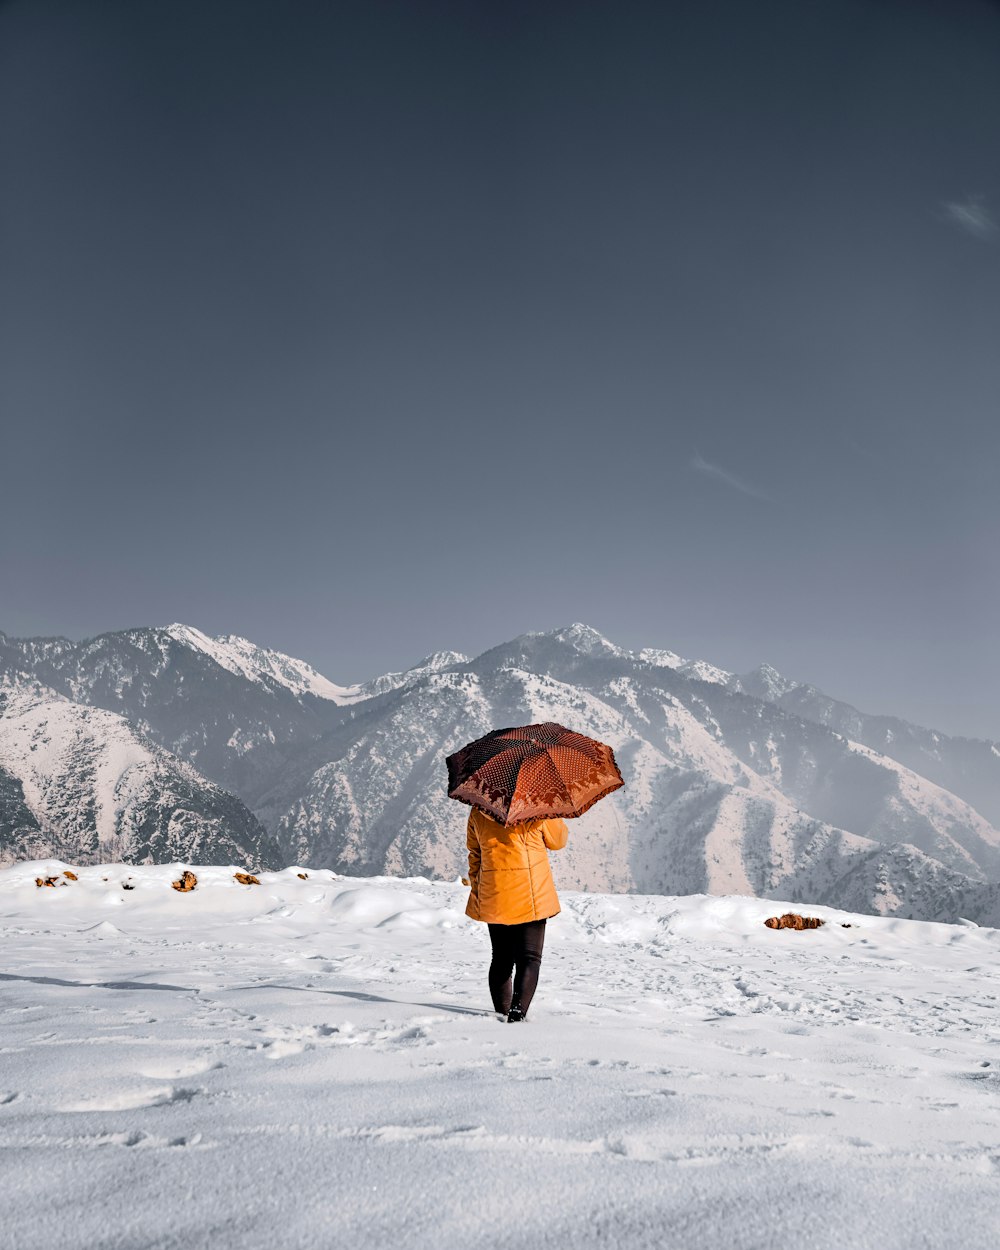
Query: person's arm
x=475 y=856
x=555 y=834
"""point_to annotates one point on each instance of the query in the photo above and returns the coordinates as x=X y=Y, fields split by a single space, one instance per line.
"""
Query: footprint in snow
x=172 y=1071
x=136 y=1138
x=281 y=1049
x=132 y=1100
x=986 y=1078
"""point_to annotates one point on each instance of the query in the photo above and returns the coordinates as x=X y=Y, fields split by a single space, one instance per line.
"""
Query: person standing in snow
x=512 y=891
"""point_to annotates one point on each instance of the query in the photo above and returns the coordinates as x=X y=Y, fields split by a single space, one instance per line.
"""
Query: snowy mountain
x=81 y=781
x=734 y=784
x=228 y=708
x=966 y=766
x=236 y=711
x=724 y=793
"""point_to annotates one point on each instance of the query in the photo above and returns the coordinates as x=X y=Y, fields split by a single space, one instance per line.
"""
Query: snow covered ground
x=312 y=1063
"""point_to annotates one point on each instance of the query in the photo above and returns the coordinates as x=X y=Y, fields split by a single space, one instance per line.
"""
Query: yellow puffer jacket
x=509 y=874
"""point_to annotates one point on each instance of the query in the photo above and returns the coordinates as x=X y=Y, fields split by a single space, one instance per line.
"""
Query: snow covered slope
x=81 y=781
x=313 y=1064
x=967 y=767
x=258 y=664
x=230 y=710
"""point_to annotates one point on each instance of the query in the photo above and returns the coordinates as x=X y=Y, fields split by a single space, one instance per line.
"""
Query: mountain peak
x=586 y=639
x=433 y=663
x=765 y=682
x=660 y=658
x=437 y=660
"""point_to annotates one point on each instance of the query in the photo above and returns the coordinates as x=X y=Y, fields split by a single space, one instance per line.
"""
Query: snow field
x=313 y=1063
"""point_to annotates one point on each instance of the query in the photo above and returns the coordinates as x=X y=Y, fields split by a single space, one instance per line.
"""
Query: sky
x=367 y=330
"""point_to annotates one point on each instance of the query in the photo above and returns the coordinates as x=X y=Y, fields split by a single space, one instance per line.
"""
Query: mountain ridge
x=731 y=785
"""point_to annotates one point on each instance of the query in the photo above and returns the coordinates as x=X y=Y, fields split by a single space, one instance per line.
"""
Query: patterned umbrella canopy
x=532 y=772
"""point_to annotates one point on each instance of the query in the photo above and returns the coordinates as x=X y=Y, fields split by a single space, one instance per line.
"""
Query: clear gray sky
x=369 y=329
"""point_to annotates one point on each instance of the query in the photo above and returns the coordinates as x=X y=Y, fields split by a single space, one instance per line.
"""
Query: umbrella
x=532 y=772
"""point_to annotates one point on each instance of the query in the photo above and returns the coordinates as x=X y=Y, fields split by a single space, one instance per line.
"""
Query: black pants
x=517 y=949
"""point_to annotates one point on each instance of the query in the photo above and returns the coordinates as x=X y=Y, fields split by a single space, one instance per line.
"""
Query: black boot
x=515 y=1015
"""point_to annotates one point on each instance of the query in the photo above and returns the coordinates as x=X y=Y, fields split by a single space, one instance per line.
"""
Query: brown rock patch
x=187 y=882
x=246 y=878
x=792 y=920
